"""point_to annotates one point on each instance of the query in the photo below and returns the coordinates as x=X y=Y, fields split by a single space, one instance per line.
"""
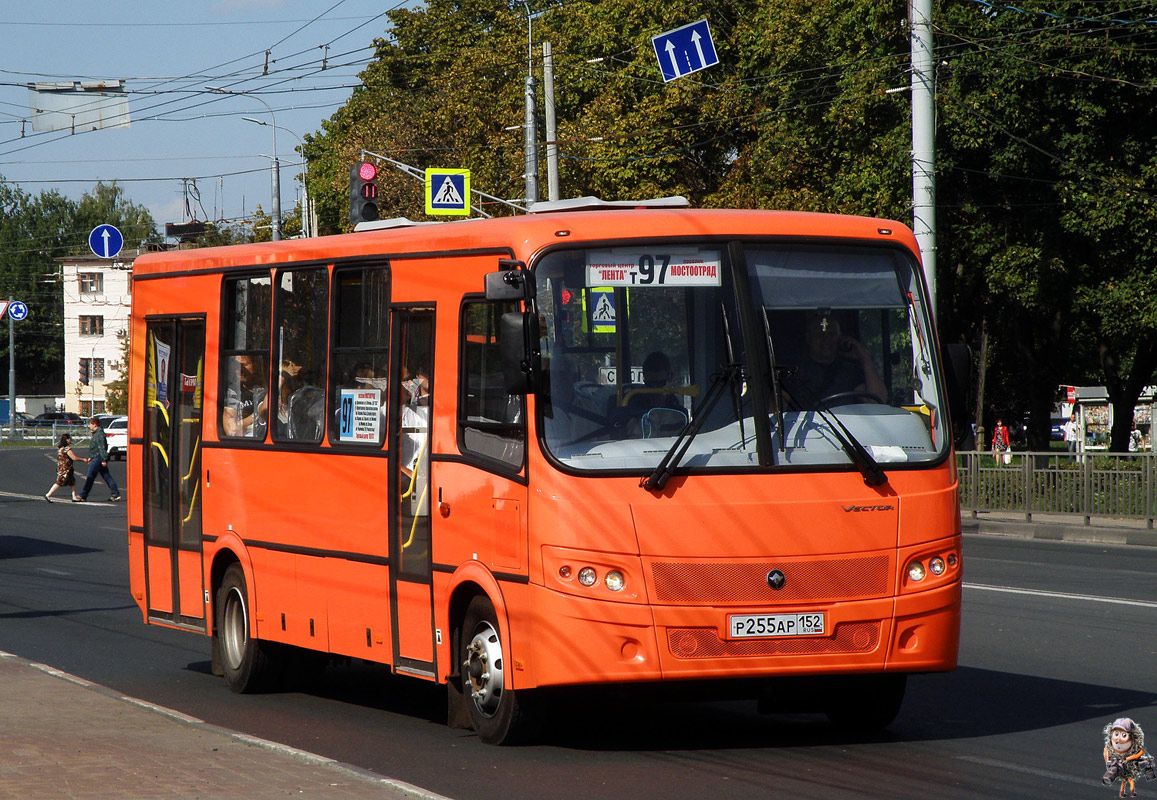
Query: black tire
x=865 y=704
x=498 y=715
x=249 y=665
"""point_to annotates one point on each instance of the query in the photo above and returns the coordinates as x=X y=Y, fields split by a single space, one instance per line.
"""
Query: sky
x=188 y=153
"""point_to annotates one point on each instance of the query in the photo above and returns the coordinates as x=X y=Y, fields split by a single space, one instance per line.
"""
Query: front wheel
x=249 y=665
x=498 y=715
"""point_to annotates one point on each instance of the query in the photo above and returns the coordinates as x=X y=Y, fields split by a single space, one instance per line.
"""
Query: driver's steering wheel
x=835 y=399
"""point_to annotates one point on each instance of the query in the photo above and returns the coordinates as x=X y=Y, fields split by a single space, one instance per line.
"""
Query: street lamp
x=306 y=222
x=275 y=166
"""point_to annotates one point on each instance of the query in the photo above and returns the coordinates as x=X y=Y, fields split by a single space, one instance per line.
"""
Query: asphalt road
x=1058 y=639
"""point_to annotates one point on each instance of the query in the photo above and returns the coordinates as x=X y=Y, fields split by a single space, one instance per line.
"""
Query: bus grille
x=827 y=580
x=850 y=637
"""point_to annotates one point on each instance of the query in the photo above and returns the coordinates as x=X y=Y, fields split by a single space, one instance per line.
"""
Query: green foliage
x=1046 y=137
x=34 y=233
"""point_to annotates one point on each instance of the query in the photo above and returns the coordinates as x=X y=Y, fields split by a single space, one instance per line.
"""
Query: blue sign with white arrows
x=106 y=241
x=17 y=310
x=685 y=50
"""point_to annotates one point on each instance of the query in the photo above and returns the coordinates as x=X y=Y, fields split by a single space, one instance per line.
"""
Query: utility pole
x=552 y=192
x=11 y=373
x=924 y=141
x=530 y=130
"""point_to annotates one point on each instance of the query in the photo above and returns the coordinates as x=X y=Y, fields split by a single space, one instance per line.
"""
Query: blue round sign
x=106 y=241
x=17 y=310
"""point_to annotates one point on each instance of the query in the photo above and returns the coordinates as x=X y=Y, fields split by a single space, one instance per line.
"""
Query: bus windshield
x=819 y=350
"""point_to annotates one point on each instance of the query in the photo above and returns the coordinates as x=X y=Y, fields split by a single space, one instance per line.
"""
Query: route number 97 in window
x=643 y=268
x=746 y=626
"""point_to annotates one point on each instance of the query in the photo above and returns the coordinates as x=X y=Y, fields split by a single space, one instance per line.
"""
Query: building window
x=91 y=282
x=90 y=408
x=91 y=369
x=92 y=326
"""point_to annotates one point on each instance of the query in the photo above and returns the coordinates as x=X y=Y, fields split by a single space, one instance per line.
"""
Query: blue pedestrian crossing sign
x=448 y=191
x=685 y=50
x=106 y=241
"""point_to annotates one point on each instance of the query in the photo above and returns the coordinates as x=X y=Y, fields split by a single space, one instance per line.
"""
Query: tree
x=116 y=391
x=1046 y=144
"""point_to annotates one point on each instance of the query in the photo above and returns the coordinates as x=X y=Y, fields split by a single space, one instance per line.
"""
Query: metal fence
x=27 y=434
x=1089 y=484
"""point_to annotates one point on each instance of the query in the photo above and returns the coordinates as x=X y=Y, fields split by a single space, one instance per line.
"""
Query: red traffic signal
x=363 y=192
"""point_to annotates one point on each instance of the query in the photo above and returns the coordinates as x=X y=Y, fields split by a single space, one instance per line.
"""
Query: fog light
x=587 y=576
x=915 y=571
x=952 y=559
x=936 y=565
x=614 y=581
x=564 y=572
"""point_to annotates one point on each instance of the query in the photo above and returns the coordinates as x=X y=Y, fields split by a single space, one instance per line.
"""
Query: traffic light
x=363 y=193
x=84 y=371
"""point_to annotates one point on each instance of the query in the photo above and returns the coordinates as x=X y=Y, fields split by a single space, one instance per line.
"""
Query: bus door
x=174 y=391
x=411 y=587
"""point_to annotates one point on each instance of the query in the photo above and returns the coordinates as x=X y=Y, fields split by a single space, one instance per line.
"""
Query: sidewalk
x=1060 y=527
x=63 y=738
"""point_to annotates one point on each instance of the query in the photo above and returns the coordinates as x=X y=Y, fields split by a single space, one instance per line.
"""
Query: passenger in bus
x=832 y=364
x=415 y=416
x=656 y=377
x=287 y=383
x=246 y=409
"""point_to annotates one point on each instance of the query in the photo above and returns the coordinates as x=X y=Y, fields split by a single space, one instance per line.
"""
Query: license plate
x=747 y=626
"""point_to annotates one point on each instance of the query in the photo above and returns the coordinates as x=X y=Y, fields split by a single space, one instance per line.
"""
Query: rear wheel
x=498 y=715
x=866 y=703
x=249 y=665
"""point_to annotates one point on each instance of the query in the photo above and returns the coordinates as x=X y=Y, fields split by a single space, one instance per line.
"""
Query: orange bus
x=595 y=445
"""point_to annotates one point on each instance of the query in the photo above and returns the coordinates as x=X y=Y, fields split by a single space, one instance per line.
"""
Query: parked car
x=104 y=419
x=117 y=434
x=57 y=418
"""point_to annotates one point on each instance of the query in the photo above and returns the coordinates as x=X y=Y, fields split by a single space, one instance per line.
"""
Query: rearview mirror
x=512 y=283
x=517 y=346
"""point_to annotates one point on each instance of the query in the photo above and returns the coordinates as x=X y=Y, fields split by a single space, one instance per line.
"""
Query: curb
x=1061 y=532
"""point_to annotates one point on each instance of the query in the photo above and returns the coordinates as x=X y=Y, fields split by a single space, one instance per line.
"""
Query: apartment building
x=97 y=298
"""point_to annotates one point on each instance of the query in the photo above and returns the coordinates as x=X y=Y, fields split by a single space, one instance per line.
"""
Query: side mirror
x=958 y=382
x=518 y=349
x=514 y=282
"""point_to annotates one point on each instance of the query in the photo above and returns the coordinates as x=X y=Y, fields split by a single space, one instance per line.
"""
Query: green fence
x=1122 y=485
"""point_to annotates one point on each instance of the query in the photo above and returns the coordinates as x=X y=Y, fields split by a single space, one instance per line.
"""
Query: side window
x=301 y=308
x=245 y=357
x=360 y=366
x=491 y=423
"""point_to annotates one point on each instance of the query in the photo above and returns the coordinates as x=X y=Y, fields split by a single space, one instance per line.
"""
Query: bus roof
x=527 y=234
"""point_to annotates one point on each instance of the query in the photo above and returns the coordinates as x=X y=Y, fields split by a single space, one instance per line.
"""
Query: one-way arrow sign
x=105 y=241
x=685 y=50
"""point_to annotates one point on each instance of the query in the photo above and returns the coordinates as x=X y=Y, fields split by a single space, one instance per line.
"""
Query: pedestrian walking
x=1072 y=433
x=65 y=476
x=1000 y=443
x=97 y=464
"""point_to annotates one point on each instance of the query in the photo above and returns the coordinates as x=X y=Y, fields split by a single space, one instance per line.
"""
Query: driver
x=833 y=363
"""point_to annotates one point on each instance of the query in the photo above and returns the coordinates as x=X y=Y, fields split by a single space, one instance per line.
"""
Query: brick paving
x=65 y=739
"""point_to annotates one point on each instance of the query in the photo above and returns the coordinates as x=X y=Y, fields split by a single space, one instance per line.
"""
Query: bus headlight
x=587 y=576
x=916 y=571
x=936 y=565
x=614 y=581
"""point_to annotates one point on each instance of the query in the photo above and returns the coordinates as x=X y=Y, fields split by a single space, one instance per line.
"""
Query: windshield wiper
x=873 y=474
x=776 y=388
x=731 y=375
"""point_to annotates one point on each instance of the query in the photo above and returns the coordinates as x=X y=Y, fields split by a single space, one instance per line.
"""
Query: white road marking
x=1092 y=598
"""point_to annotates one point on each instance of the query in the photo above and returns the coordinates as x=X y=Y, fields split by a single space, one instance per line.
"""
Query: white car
x=117 y=434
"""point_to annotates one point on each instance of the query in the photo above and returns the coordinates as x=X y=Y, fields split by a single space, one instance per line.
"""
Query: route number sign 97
x=642 y=268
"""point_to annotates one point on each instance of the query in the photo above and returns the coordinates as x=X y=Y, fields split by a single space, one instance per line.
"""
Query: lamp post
x=274 y=166
x=306 y=216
